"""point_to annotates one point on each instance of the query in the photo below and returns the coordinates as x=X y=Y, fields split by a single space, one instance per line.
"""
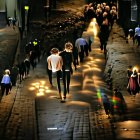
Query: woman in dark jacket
x=67 y=57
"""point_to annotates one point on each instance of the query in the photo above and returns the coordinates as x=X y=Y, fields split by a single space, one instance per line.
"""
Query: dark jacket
x=67 y=60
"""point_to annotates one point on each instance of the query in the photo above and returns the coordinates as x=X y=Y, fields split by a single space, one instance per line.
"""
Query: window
x=133 y=10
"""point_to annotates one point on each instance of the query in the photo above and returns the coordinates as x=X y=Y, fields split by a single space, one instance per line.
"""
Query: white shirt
x=54 y=62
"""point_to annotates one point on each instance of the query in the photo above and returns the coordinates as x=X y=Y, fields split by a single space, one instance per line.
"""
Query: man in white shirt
x=55 y=63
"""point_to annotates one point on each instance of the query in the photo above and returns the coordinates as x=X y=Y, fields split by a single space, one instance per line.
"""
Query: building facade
x=13 y=9
x=129 y=13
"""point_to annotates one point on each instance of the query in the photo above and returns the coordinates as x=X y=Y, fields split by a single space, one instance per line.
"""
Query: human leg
x=101 y=46
x=58 y=76
x=64 y=84
x=86 y=50
x=50 y=76
x=138 y=39
x=7 y=86
x=2 y=89
x=68 y=80
x=104 y=47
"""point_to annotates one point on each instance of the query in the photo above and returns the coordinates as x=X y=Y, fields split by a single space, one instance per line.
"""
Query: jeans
x=66 y=81
x=58 y=76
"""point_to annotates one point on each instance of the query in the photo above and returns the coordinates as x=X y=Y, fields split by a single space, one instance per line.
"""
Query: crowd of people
x=11 y=22
x=105 y=14
x=60 y=64
x=21 y=69
x=134 y=34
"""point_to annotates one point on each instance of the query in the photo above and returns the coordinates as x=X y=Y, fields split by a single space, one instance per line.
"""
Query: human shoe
x=62 y=101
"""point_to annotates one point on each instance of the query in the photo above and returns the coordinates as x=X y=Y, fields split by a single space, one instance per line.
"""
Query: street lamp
x=26 y=8
x=47 y=12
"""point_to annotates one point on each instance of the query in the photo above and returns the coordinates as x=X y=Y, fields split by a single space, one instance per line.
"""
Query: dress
x=133 y=83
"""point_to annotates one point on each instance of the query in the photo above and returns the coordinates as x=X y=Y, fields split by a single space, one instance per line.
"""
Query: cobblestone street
x=32 y=111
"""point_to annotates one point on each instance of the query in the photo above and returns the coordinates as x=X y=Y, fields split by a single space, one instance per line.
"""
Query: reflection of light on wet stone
x=54 y=128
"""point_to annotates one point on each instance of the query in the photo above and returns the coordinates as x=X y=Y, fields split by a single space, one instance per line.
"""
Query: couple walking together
x=60 y=63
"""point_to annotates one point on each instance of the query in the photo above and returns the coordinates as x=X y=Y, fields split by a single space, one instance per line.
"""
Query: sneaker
x=62 y=101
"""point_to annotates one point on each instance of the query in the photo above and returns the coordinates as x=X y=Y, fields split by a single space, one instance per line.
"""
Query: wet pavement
x=33 y=111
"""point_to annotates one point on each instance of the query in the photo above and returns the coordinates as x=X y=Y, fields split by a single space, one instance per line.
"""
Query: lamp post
x=47 y=12
x=26 y=8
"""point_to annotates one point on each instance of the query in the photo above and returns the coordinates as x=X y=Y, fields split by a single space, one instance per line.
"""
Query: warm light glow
x=135 y=68
x=97 y=69
x=40 y=88
x=78 y=103
x=97 y=60
x=32 y=88
x=43 y=82
x=40 y=94
x=46 y=88
x=93 y=27
x=47 y=91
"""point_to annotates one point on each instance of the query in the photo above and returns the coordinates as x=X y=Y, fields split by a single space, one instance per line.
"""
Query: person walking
x=22 y=71
x=55 y=62
x=75 y=56
x=32 y=58
x=137 y=35
x=133 y=83
x=104 y=34
x=106 y=104
x=14 y=74
x=129 y=73
x=27 y=65
x=81 y=45
x=6 y=82
x=119 y=102
x=88 y=36
x=67 y=57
